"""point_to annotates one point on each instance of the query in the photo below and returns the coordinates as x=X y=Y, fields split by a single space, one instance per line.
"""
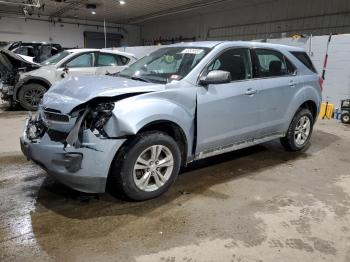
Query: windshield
x=165 y=64
x=56 y=58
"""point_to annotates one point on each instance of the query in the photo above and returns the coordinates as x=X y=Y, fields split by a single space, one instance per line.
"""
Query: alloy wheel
x=33 y=96
x=153 y=168
x=302 y=131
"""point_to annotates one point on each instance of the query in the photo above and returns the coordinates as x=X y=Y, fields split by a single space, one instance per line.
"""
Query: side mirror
x=216 y=77
x=64 y=72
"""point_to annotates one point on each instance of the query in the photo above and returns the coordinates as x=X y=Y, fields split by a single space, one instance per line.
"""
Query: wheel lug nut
x=157 y=162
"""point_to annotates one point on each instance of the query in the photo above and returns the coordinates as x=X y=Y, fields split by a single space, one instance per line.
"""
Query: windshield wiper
x=140 y=79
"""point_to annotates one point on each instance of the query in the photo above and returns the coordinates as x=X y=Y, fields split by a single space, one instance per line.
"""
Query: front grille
x=57 y=136
x=56 y=117
x=47 y=109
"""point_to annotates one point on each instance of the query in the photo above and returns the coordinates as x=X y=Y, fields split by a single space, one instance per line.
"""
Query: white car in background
x=29 y=86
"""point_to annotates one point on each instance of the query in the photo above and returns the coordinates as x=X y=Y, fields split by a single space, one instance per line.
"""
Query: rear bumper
x=84 y=169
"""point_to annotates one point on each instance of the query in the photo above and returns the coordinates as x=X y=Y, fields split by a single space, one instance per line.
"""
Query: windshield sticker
x=192 y=51
x=175 y=77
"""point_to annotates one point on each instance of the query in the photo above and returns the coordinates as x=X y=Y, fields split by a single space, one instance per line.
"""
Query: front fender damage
x=75 y=137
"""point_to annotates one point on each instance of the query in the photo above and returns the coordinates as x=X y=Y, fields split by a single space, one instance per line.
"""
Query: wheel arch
x=311 y=105
x=31 y=80
x=173 y=130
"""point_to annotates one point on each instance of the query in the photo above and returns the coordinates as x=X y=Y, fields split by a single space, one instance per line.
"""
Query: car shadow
x=196 y=179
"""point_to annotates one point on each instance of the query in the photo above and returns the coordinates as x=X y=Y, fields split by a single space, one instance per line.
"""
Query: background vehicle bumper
x=84 y=169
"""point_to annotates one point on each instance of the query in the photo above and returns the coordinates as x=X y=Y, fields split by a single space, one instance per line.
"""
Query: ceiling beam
x=67 y=8
x=176 y=10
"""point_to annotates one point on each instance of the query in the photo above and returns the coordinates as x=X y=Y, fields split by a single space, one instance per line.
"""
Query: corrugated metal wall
x=267 y=19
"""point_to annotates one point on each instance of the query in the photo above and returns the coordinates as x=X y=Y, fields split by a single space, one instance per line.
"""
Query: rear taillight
x=320 y=81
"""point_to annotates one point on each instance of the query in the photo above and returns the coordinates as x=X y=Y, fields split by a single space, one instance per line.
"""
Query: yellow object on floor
x=326 y=110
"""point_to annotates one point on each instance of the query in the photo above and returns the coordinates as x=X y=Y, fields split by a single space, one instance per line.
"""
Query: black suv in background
x=38 y=51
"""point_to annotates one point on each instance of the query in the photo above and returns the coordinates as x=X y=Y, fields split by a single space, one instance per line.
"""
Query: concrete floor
x=257 y=204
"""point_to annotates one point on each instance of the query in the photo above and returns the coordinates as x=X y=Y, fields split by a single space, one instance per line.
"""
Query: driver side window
x=84 y=60
x=236 y=61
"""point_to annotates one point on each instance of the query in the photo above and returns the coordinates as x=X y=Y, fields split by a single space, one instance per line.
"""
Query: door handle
x=250 y=92
x=292 y=83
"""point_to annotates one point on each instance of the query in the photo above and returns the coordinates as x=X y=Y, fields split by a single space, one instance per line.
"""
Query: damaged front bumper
x=6 y=91
x=84 y=169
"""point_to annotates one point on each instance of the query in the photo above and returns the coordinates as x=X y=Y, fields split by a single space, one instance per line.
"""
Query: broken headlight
x=99 y=116
x=35 y=129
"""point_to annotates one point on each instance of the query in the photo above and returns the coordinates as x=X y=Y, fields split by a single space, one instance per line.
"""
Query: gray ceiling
x=134 y=11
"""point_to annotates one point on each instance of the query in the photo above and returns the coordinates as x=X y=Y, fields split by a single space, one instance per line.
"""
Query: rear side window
x=24 y=50
x=305 y=59
x=271 y=63
x=107 y=60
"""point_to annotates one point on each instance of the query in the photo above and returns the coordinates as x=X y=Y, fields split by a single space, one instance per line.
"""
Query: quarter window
x=122 y=60
x=305 y=59
x=84 y=60
x=272 y=63
x=235 y=61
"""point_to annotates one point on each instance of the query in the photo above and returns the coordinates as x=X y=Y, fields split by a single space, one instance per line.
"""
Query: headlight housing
x=99 y=116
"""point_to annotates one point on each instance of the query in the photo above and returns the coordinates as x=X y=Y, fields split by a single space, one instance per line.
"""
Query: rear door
x=278 y=82
x=228 y=113
x=108 y=63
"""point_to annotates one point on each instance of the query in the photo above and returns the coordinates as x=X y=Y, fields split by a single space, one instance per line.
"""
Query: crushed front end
x=72 y=147
x=11 y=67
x=7 y=85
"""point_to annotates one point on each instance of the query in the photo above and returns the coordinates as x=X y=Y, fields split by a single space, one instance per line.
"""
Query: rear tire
x=299 y=131
x=345 y=118
x=29 y=96
x=146 y=166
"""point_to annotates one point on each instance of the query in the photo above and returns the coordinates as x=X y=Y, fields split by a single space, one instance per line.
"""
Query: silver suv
x=179 y=104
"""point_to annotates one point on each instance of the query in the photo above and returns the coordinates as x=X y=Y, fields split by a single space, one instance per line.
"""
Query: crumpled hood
x=71 y=92
x=10 y=61
x=40 y=72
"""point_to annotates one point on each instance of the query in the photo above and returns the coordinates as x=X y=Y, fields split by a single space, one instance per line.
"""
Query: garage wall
x=267 y=19
x=68 y=35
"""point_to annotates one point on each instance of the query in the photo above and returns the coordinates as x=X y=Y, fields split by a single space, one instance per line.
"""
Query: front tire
x=345 y=118
x=29 y=96
x=146 y=167
x=299 y=131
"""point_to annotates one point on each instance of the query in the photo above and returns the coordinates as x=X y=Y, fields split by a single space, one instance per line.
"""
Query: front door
x=82 y=64
x=228 y=113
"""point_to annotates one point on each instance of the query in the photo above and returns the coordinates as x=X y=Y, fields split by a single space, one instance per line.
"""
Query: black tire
x=30 y=92
x=121 y=177
x=345 y=118
x=289 y=141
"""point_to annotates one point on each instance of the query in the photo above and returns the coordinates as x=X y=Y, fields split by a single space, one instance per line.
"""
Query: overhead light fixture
x=122 y=2
x=93 y=7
